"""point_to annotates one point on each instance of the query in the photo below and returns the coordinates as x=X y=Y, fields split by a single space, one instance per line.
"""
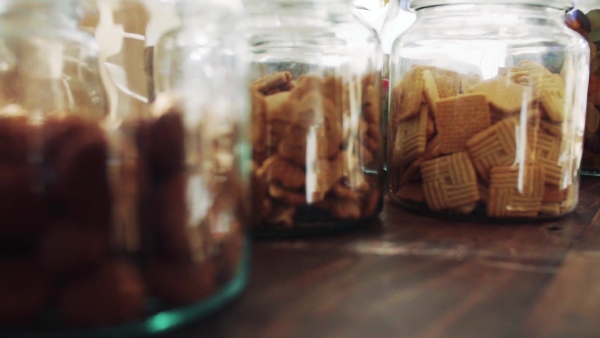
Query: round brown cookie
x=66 y=247
x=23 y=212
x=15 y=139
x=179 y=283
x=24 y=291
x=114 y=293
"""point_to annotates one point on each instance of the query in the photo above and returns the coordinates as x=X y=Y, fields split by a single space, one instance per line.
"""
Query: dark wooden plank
x=380 y=296
x=570 y=305
x=412 y=276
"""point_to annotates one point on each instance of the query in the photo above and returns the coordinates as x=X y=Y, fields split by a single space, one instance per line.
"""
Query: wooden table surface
x=412 y=276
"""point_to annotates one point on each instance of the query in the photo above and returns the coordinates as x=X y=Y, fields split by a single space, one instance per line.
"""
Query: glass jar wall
x=487 y=110
x=585 y=19
x=316 y=77
x=114 y=221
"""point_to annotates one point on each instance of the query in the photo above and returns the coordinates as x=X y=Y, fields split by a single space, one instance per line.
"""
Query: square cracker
x=495 y=146
x=547 y=150
x=449 y=182
x=459 y=118
x=411 y=94
x=552 y=97
x=516 y=191
x=411 y=138
x=448 y=83
x=430 y=91
x=503 y=94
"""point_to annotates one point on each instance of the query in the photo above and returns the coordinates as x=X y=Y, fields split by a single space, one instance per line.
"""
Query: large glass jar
x=111 y=223
x=487 y=110
x=316 y=116
x=585 y=19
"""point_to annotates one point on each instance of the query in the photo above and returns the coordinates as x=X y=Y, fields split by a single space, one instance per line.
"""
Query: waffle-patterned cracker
x=411 y=138
x=516 y=191
x=495 y=146
x=449 y=182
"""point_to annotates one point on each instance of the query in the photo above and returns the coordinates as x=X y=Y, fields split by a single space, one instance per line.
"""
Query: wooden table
x=411 y=276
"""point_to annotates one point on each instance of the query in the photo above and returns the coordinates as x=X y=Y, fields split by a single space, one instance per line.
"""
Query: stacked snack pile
x=71 y=245
x=313 y=148
x=501 y=147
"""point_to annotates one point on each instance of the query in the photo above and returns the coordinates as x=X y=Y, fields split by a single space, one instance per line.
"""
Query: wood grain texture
x=407 y=275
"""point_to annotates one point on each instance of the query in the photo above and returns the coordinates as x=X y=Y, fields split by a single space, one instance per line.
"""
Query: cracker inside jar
x=501 y=147
x=316 y=149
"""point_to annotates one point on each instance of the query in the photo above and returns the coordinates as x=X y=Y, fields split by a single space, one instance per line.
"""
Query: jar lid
x=558 y=4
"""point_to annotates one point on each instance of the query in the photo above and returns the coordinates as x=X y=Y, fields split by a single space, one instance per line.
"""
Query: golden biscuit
x=287 y=174
x=258 y=132
x=343 y=192
x=547 y=151
x=271 y=81
x=516 y=191
x=411 y=94
x=554 y=194
x=449 y=182
x=411 y=138
x=372 y=104
x=495 y=146
x=277 y=107
x=430 y=90
x=550 y=209
x=446 y=81
x=459 y=118
x=276 y=191
x=412 y=191
x=467 y=82
x=502 y=93
x=432 y=150
x=552 y=97
x=411 y=172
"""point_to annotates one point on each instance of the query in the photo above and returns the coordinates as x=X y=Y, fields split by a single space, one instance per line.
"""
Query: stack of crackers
x=505 y=145
x=313 y=137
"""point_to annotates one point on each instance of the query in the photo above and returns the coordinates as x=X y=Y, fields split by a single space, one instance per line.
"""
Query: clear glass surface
x=119 y=218
x=487 y=112
x=316 y=124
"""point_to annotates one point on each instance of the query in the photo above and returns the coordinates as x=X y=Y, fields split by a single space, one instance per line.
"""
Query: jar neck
x=483 y=12
x=299 y=7
x=208 y=10
x=41 y=14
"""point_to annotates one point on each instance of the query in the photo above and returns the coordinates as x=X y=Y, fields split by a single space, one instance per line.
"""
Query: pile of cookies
x=81 y=208
x=314 y=141
x=504 y=147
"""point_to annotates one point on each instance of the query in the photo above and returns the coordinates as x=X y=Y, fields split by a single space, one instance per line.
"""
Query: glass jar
x=585 y=19
x=487 y=110
x=112 y=224
x=316 y=116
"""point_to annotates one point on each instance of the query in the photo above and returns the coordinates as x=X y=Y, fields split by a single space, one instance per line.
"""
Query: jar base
x=316 y=228
x=590 y=172
x=478 y=215
x=161 y=322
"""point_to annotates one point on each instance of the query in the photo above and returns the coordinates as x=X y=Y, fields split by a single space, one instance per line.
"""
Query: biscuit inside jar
x=317 y=149
x=501 y=147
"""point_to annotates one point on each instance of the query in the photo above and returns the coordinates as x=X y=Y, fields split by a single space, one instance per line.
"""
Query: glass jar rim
x=558 y=4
